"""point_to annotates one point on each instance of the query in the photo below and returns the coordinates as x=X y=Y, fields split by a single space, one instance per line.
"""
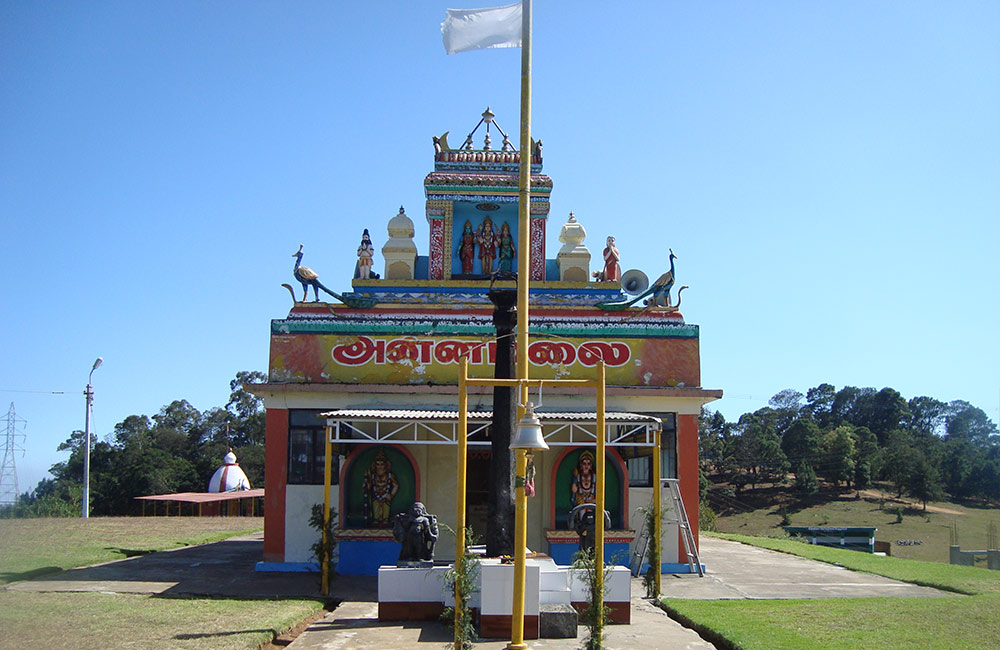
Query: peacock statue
x=661 y=288
x=308 y=278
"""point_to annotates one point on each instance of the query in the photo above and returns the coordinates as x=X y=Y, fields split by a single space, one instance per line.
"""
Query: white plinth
x=497 y=588
x=412 y=584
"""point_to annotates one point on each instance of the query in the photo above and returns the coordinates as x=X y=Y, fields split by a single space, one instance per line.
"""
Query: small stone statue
x=583 y=520
x=417 y=531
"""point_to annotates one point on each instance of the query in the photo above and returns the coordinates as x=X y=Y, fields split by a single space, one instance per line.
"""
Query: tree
x=839 y=447
x=247 y=409
x=758 y=450
x=862 y=476
x=965 y=421
x=926 y=415
x=711 y=427
x=956 y=466
x=923 y=482
x=866 y=449
x=887 y=410
x=819 y=402
x=801 y=441
x=898 y=458
x=785 y=405
x=805 y=479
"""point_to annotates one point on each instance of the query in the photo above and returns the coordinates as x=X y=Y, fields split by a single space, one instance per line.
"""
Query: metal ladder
x=694 y=561
x=640 y=550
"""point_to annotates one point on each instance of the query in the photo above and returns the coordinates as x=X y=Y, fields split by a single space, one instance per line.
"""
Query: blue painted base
x=287 y=567
x=671 y=567
x=614 y=553
x=364 y=557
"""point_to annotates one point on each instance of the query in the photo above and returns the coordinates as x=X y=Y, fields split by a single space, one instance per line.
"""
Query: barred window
x=306 y=449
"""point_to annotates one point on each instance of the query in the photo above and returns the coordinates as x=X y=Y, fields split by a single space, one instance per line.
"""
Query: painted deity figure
x=380 y=486
x=486 y=237
x=583 y=484
x=505 y=249
x=612 y=271
x=366 y=253
x=467 y=248
x=417 y=531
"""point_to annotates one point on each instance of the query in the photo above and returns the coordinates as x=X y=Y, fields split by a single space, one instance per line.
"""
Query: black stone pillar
x=500 y=497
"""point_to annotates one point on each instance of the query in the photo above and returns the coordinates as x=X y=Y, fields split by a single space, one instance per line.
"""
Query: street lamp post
x=89 y=393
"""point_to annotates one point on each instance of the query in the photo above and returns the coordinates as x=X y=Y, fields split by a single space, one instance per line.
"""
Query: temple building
x=376 y=370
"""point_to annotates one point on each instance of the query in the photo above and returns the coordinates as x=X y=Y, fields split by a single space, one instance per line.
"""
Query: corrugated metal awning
x=440 y=427
x=204 y=497
x=480 y=416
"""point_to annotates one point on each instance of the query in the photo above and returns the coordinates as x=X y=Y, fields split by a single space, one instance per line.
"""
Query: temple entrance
x=477 y=488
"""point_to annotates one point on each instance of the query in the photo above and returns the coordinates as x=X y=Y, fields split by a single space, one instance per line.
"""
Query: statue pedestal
x=412 y=593
x=497 y=596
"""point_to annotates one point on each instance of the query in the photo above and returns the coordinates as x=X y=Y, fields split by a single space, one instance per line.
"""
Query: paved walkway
x=355 y=626
x=226 y=569
x=740 y=571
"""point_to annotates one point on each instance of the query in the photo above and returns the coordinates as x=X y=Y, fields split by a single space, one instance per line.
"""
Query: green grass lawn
x=103 y=620
x=855 y=623
x=34 y=547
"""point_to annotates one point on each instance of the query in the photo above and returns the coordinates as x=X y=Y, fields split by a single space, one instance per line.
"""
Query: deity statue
x=612 y=271
x=486 y=237
x=417 y=532
x=506 y=250
x=467 y=248
x=379 y=487
x=583 y=485
x=365 y=254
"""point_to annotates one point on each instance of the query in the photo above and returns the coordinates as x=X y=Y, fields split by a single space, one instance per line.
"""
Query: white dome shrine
x=229 y=477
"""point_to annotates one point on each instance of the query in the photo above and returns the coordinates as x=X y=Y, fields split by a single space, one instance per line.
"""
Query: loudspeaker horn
x=634 y=282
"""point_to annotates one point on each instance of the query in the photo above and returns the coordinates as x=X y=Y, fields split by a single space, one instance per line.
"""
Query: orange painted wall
x=275 y=479
x=687 y=472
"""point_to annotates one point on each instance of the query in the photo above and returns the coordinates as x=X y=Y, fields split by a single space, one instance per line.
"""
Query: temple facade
x=376 y=372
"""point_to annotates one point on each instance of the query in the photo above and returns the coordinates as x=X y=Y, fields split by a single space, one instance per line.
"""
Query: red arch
x=620 y=468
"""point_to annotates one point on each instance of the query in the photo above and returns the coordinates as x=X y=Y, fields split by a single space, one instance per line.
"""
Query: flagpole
x=523 y=280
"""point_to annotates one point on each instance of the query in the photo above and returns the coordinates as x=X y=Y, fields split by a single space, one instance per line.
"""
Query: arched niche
x=563 y=498
x=369 y=498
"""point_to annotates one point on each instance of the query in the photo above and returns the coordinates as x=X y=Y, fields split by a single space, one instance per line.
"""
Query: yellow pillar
x=599 y=515
x=657 y=508
x=463 y=436
x=325 y=560
x=523 y=282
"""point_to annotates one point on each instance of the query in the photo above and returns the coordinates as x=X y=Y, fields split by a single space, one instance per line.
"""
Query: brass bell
x=528 y=435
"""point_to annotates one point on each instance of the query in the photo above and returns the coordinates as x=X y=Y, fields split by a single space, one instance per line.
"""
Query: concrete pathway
x=737 y=570
x=355 y=626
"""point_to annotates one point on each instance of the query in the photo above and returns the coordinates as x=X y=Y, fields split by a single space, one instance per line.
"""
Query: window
x=306 y=448
x=640 y=467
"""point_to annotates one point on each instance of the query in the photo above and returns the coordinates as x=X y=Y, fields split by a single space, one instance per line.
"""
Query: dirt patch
x=872 y=494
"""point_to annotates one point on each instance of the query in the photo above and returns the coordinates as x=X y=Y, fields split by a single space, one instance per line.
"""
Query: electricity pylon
x=8 y=472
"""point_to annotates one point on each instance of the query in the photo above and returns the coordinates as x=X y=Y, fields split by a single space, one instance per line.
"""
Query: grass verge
x=104 y=620
x=844 y=623
x=958 y=579
x=855 y=623
x=35 y=547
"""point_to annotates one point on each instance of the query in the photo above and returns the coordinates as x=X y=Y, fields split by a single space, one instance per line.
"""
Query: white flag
x=481 y=29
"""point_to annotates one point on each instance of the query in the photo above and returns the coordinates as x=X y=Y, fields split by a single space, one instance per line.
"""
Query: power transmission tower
x=8 y=472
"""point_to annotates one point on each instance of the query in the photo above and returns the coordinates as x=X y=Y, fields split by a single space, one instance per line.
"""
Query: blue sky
x=825 y=171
